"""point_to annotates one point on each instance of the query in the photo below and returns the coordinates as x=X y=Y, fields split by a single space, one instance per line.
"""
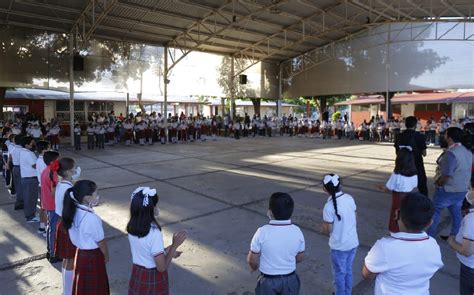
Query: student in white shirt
x=401 y=182
x=339 y=222
x=463 y=244
x=87 y=234
x=150 y=259
x=41 y=148
x=16 y=171
x=29 y=180
x=276 y=248
x=404 y=262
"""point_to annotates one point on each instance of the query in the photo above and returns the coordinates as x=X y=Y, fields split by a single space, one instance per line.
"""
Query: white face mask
x=157 y=211
x=77 y=173
x=94 y=202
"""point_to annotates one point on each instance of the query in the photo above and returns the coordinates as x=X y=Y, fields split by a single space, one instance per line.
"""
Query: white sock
x=63 y=273
x=68 y=280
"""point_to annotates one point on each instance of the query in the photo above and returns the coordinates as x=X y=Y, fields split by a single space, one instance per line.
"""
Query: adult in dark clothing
x=417 y=141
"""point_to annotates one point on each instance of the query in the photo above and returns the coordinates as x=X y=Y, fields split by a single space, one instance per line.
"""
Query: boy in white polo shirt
x=29 y=180
x=276 y=248
x=404 y=262
x=463 y=244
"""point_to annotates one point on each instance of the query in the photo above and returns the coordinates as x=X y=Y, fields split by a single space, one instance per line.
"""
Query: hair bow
x=406 y=147
x=54 y=165
x=146 y=192
x=331 y=178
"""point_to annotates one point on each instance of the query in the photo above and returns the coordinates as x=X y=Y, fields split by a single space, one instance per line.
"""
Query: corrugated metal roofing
x=305 y=23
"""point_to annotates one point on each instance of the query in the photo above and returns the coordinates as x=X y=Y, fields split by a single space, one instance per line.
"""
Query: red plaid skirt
x=110 y=136
x=90 y=275
x=128 y=134
x=162 y=132
x=149 y=133
x=396 y=200
x=54 y=139
x=214 y=129
x=63 y=248
x=141 y=134
x=148 y=281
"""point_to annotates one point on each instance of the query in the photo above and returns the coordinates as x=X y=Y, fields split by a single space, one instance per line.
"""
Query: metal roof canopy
x=252 y=30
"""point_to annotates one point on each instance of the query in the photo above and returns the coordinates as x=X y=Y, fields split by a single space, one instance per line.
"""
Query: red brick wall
x=359 y=117
x=426 y=115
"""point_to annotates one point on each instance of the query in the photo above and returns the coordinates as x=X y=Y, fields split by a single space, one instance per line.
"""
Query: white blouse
x=402 y=184
x=144 y=250
x=86 y=230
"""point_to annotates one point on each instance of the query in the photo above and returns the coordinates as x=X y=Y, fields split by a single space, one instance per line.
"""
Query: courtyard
x=218 y=191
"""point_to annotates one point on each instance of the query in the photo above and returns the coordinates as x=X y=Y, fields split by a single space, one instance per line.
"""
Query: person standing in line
x=87 y=235
x=16 y=172
x=49 y=180
x=404 y=262
x=77 y=137
x=90 y=136
x=339 y=222
x=151 y=259
x=63 y=247
x=402 y=181
x=454 y=182
x=463 y=244
x=276 y=248
x=41 y=148
x=417 y=141
x=29 y=180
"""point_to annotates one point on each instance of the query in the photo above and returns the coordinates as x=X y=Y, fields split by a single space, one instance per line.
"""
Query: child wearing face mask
x=87 y=234
x=150 y=259
x=63 y=248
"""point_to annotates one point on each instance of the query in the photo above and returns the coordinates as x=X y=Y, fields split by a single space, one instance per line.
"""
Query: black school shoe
x=19 y=207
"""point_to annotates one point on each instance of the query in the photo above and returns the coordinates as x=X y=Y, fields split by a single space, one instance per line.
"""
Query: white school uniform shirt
x=27 y=163
x=16 y=150
x=344 y=232
x=144 y=250
x=36 y=132
x=61 y=188
x=86 y=231
x=40 y=166
x=402 y=184
x=278 y=243
x=404 y=263
x=466 y=232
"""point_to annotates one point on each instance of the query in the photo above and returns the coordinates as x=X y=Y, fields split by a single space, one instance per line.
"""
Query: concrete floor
x=218 y=191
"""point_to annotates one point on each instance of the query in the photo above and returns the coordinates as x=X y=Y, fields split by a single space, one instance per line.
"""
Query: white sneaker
x=32 y=220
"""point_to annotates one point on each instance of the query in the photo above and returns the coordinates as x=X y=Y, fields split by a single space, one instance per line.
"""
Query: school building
x=50 y=104
x=421 y=105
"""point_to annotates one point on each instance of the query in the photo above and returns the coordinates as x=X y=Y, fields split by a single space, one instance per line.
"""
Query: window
x=420 y=107
x=444 y=107
x=360 y=108
x=62 y=106
x=432 y=107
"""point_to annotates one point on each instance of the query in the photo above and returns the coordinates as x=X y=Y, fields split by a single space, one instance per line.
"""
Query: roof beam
x=184 y=36
x=370 y=9
x=420 y=8
x=452 y=8
x=9 y=9
x=79 y=26
x=396 y=10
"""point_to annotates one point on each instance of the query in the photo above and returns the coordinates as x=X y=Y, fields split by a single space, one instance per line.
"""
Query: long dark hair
x=333 y=190
x=459 y=135
x=62 y=165
x=80 y=189
x=405 y=163
x=142 y=217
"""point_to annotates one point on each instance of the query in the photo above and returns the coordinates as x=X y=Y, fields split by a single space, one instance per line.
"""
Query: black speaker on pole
x=78 y=63
x=243 y=79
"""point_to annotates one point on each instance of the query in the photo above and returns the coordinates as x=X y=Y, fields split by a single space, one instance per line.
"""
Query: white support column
x=388 y=102
x=232 y=88
x=165 y=92
x=71 y=86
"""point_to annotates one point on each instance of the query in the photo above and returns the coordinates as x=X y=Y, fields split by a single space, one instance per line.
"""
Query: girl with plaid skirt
x=87 y=234
x=150 y=259
x=63 y=248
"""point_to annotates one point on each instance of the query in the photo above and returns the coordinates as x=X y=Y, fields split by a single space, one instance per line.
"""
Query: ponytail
x=73 y=197
x=334 y=202
x=332 y=184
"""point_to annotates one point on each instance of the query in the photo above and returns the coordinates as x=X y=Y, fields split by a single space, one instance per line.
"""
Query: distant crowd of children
x=401 y=263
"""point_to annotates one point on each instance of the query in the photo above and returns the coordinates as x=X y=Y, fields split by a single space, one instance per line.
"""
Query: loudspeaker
x=78 y=63
x=243 y=79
